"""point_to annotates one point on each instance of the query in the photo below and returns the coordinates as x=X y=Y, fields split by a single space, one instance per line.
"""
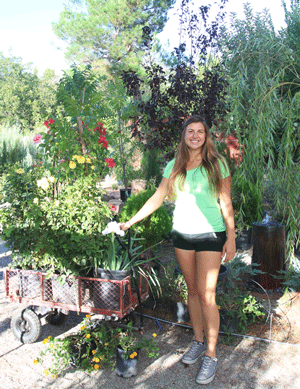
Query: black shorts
x=209 y=241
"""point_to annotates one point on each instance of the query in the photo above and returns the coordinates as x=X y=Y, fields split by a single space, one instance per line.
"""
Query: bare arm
x=150 y=206
x=228 y=215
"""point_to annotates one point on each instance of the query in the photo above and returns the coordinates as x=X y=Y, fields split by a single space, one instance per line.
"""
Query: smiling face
x=195 y=136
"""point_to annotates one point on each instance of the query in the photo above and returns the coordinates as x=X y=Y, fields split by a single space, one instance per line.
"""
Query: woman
x=203 y=232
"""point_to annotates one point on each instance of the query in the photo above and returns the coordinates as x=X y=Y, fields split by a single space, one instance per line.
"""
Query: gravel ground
x=246 y=364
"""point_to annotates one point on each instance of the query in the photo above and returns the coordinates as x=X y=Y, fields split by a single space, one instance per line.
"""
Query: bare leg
x=207 y=270
x=187 y=263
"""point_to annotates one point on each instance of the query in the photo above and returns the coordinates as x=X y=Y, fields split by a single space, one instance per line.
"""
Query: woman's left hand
x=228 y=250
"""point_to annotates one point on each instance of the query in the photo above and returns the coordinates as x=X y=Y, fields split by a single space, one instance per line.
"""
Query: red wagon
x=49 y=298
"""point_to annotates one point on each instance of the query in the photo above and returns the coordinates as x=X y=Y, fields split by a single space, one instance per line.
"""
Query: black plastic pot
x=228 y=321
x=106 y=294
x=269 y=252
x=124 y=194
x=181 y=312
x=126 y=367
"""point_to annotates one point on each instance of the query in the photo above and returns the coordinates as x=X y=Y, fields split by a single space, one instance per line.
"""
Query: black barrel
x=269 y=251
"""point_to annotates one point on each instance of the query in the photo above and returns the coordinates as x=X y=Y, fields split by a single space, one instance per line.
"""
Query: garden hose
x=157 y=320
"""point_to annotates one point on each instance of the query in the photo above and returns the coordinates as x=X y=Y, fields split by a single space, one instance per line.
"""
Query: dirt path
x=244 y=364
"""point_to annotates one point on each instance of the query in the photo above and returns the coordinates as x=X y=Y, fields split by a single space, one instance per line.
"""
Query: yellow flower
x=46 y=340
x=35 y=362
x=80 y=159
x=54 y=375
x=218 y=306
x=82 y=328
x=94 y=352
x=88 y=316
x=105 y=344
x=74 y=157
x=95 y=359
x=154 y=335
x=46 y=372
x=72 y=165
x=20 y=171
x=93 y=167
x=96 y=367
x=88 y=160
x=88 y=336
x=52 y=345
x=133 y=355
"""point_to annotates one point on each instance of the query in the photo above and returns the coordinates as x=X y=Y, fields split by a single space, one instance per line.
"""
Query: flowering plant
x=93 y=347
x=115 y=256
x=57 y=212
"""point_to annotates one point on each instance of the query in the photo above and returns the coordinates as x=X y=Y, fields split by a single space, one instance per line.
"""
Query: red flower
x=100 y=124
x=110 y=162
x=103 y=132
x=105 y=144
x=101 y=139
x=51 y=121
x=89 y=129
x=46 y=123
x=113 y=208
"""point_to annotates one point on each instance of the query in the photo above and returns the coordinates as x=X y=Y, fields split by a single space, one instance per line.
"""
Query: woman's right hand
x=124 y=226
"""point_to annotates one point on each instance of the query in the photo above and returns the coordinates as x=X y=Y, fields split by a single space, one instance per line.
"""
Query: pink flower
x=37 y=139
x=110 y=162
x=62 y=160
x=113 y=208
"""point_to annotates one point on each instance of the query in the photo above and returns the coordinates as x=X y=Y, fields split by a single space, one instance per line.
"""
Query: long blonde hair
x=210 y=159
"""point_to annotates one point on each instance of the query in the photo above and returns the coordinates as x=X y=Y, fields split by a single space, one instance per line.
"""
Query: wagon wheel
x=56 y=317
x=26 y=326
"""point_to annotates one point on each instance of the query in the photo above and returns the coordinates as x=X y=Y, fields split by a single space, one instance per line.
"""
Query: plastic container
x=269 y=251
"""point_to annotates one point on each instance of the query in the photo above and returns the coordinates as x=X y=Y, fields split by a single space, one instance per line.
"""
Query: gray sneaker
x=207 y=371
x=196 y=350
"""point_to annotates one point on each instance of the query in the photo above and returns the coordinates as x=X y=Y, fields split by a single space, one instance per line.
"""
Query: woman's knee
x=207 y=297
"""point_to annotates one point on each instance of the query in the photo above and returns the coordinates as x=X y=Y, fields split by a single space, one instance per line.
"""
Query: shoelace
x=194 y=349
x=205 y=364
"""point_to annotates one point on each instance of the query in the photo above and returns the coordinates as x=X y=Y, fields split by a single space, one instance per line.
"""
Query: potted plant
x=174 y=289
x=94 y=347
x=237 y=310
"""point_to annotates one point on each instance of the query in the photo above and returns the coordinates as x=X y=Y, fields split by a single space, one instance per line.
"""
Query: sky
x=26 y=29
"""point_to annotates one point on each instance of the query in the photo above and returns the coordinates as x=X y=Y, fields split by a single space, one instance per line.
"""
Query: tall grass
x=16 y=146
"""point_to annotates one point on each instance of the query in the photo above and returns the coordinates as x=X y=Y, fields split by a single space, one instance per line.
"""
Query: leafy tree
x=108 y=33
x=24 y=98
x=264 y=99
x=192 y=84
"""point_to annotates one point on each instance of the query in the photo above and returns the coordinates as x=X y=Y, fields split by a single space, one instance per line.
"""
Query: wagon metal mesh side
x=82 y=294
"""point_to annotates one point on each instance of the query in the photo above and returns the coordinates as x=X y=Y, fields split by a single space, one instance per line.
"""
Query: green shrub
x=16 y=147
x=156 y=226
x=54 y=230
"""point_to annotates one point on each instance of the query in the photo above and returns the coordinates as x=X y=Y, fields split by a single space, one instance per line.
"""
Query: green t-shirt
x=197 y=209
